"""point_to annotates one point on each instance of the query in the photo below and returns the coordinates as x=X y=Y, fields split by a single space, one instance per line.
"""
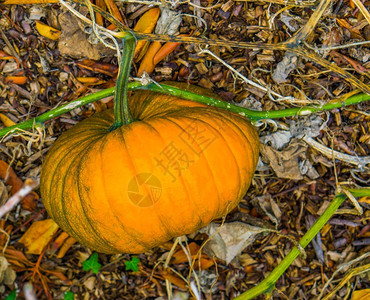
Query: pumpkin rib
x=92 y=232
x=209 y=167
x=220 y=201
x=52 y=201
x=144 y=245
x=66 y=223
x=147 y=106
x=135 y=172
x=97 y=237
x=64 y=153
x=248 y=137
x=113 y=212
x=234 y=159
x=168 y=228
x=172 y=234
x=236 y=128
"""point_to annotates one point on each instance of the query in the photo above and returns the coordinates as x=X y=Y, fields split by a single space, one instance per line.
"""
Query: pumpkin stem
x=122 y=114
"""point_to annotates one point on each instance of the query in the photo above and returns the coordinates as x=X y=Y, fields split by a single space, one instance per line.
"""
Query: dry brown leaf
x=39 y=235
x=7 y=173
x=98 y=67
x=355 y=33
x=65 y=247
x=6 y=121
x=230 y=239
x=47 y=31
x=285 y=163
x=74 y=42
x=180 y=257
x=355 y=64
x=173 y=278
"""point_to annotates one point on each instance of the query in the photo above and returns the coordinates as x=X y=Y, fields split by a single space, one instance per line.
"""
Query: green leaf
x=132 y=264
x=12 y=295
x=69 y=296
x=92 y=263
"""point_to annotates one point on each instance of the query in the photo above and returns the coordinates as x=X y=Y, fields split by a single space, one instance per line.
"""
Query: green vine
x=269 y=282
x=122 y=115
x=167 y=89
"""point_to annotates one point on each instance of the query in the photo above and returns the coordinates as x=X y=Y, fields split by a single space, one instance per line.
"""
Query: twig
x=362 y=162
x=28 y=186
x=304 y=32
x=349 y=275
x=165 y=265
x=324 y=49
x=195 y=291
x=245 y=79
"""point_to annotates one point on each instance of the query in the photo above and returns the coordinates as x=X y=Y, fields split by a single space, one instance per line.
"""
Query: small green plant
x=69 y=296
x=132 y=264
x=12 y=295
x=92 y=264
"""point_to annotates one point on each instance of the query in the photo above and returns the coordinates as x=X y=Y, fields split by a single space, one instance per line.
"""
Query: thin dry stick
x=328 y=48
x=166 y=263
x=342 y=266
x=28 y=186
x=245 y=79
x=349 y=275
x=7 y=240
x=362 y=162
x=304 y=32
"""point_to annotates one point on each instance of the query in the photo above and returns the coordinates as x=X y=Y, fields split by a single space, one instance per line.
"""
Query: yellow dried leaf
x=38 y=236
x=68 y=244
x=174 y=278
x=365 y=199
x=146 y=24
x=7 y=122
x=361 y=295
x=47 y=31
x=90 y=80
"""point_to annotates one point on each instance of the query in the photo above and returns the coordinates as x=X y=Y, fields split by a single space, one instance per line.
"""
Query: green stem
x=269 y=282
x=254 y=115
x=122 y=115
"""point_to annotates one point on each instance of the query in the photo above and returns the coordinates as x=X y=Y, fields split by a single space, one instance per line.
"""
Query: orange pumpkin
x=173 y=170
